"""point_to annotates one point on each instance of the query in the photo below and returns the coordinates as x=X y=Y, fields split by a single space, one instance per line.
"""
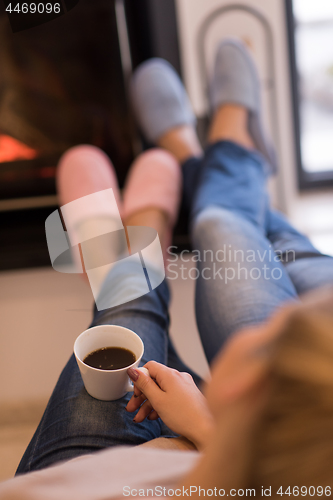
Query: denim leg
x=231 y=177
x=191 y=169
x=308 y=269
x=241 y=280
x=74 y=423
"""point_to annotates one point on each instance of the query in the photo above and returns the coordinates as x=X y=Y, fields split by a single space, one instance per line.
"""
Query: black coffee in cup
x=110 y=358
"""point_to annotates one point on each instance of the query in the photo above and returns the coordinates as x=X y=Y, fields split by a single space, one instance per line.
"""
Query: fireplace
x=63 y=83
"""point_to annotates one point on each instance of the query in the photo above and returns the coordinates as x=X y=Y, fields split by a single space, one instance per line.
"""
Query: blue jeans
x=251 y=259
x=229 y=211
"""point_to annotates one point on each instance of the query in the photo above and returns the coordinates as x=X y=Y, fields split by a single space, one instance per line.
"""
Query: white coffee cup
x=107 y=385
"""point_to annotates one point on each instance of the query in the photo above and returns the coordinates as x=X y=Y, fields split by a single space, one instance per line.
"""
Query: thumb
x=144 y=383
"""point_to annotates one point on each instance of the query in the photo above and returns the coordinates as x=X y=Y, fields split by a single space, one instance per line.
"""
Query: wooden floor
x=17 y=426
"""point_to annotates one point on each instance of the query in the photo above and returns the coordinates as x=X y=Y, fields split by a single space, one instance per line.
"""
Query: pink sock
x=84 y=170
x=154 y=181
x=89 y=196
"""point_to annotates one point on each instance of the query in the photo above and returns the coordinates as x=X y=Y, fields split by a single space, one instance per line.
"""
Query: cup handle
x=130 y=386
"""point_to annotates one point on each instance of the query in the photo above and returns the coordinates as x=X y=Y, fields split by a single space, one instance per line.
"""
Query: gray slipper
x=159 y=99
x=236 y=81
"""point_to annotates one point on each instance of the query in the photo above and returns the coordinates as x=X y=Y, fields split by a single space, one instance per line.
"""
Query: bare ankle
x=230 y=124
x=182 y=142
x=151 y=217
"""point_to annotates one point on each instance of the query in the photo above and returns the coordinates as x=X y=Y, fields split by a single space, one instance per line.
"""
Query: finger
x=144 y=411
x=145 y=384
x=135 y=402
x=160 y=373
x=187 y=376
x=153 y=415
x=137 y=392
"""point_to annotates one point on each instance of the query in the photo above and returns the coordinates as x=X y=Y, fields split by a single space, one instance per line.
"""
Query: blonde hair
x=294 y=443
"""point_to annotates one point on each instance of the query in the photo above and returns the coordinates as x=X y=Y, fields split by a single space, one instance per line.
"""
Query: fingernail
x=133 y=374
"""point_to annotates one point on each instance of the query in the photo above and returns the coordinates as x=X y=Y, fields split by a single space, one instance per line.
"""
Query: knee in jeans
x=207 y=222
